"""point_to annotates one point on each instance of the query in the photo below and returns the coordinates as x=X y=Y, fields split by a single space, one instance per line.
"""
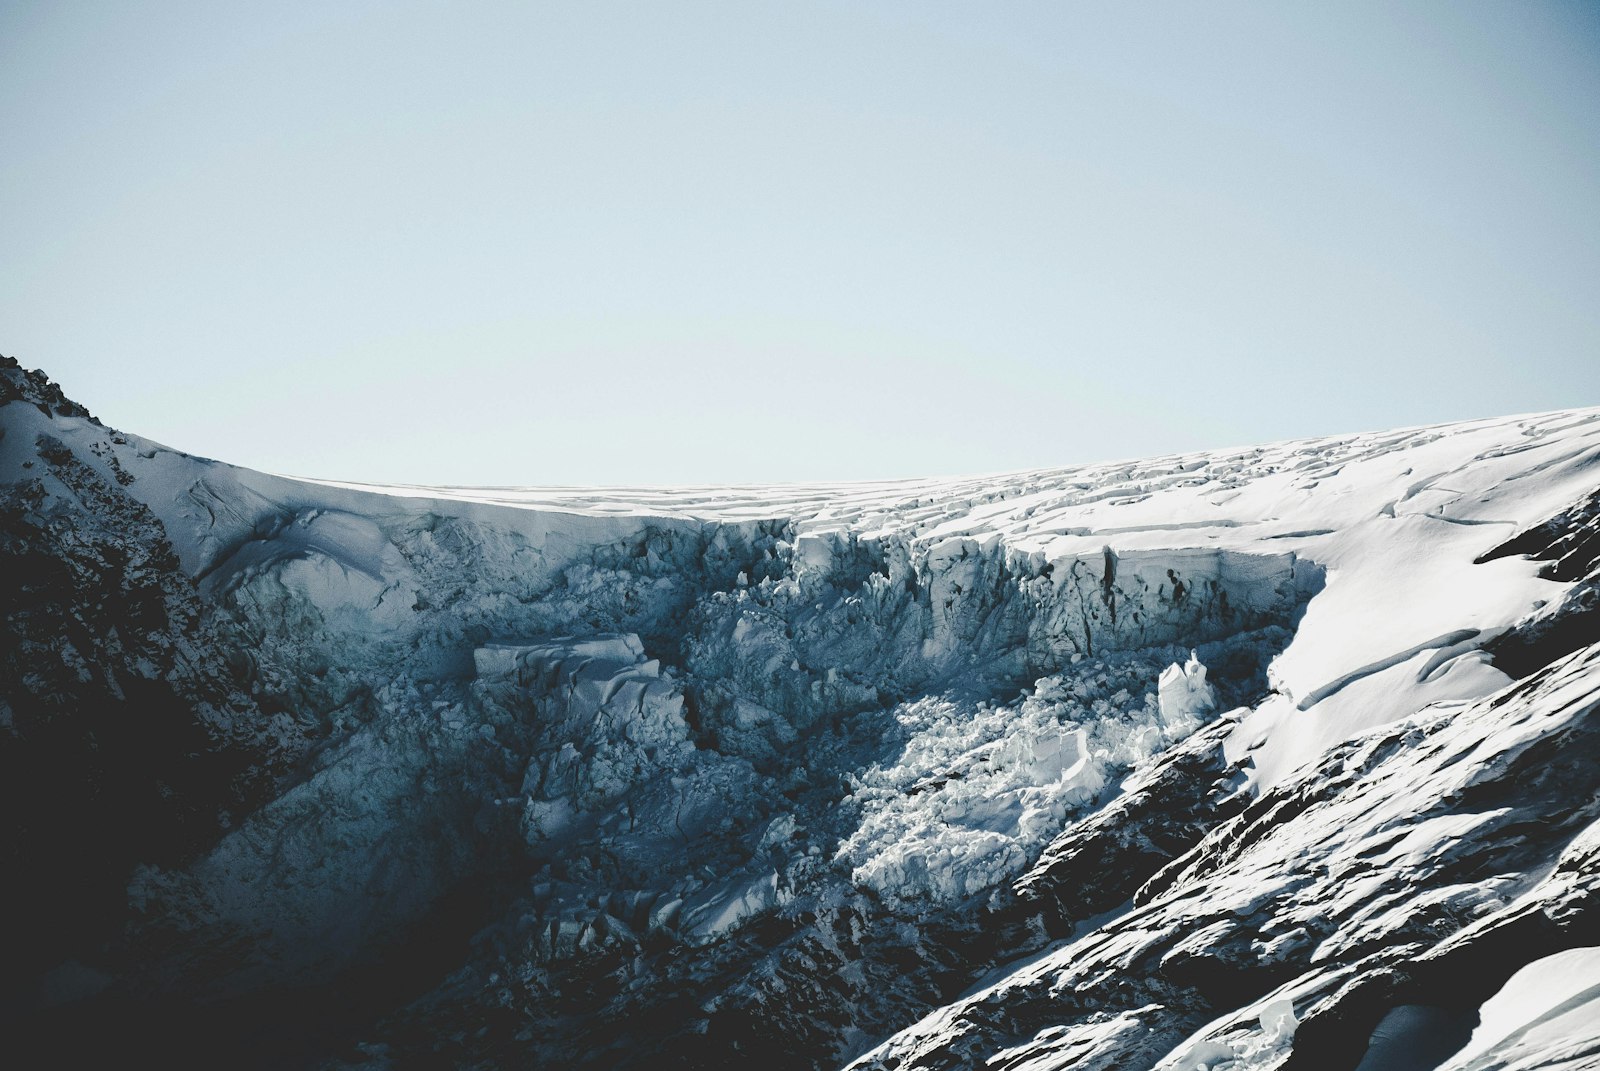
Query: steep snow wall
x=860 y=623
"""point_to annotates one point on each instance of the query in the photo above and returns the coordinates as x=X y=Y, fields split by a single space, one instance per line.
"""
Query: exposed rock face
x=32 y=387
x=125 y=734
x=704 y=779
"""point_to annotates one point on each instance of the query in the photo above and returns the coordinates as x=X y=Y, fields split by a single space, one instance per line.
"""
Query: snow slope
x=1546 y=1015
x=712 y=775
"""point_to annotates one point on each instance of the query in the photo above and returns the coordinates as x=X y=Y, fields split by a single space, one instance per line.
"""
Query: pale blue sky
x=598 y=243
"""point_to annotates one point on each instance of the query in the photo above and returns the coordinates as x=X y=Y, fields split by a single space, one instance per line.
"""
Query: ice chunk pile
x=979 y=789
x=607 y=721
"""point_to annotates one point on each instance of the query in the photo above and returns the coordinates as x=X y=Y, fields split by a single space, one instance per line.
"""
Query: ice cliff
x=1271 y=757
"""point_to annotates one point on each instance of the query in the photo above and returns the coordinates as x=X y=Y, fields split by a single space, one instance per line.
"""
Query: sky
x=599 y=243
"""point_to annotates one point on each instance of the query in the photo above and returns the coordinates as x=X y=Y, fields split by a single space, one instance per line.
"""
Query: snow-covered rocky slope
x=1283 y=756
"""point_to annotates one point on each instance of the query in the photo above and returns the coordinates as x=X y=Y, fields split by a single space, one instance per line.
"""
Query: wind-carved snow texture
x=707 y=777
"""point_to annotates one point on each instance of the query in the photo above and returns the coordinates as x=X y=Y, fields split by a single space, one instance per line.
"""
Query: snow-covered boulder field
x=1285 y=756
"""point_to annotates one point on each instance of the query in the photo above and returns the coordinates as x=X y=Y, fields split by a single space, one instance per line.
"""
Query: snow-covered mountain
x=1273 y=757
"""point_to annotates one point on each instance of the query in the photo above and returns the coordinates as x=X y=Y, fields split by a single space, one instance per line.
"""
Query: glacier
x=1256 y=758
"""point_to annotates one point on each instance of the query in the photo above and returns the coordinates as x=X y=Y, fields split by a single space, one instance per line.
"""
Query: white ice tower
x=1184 y=693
